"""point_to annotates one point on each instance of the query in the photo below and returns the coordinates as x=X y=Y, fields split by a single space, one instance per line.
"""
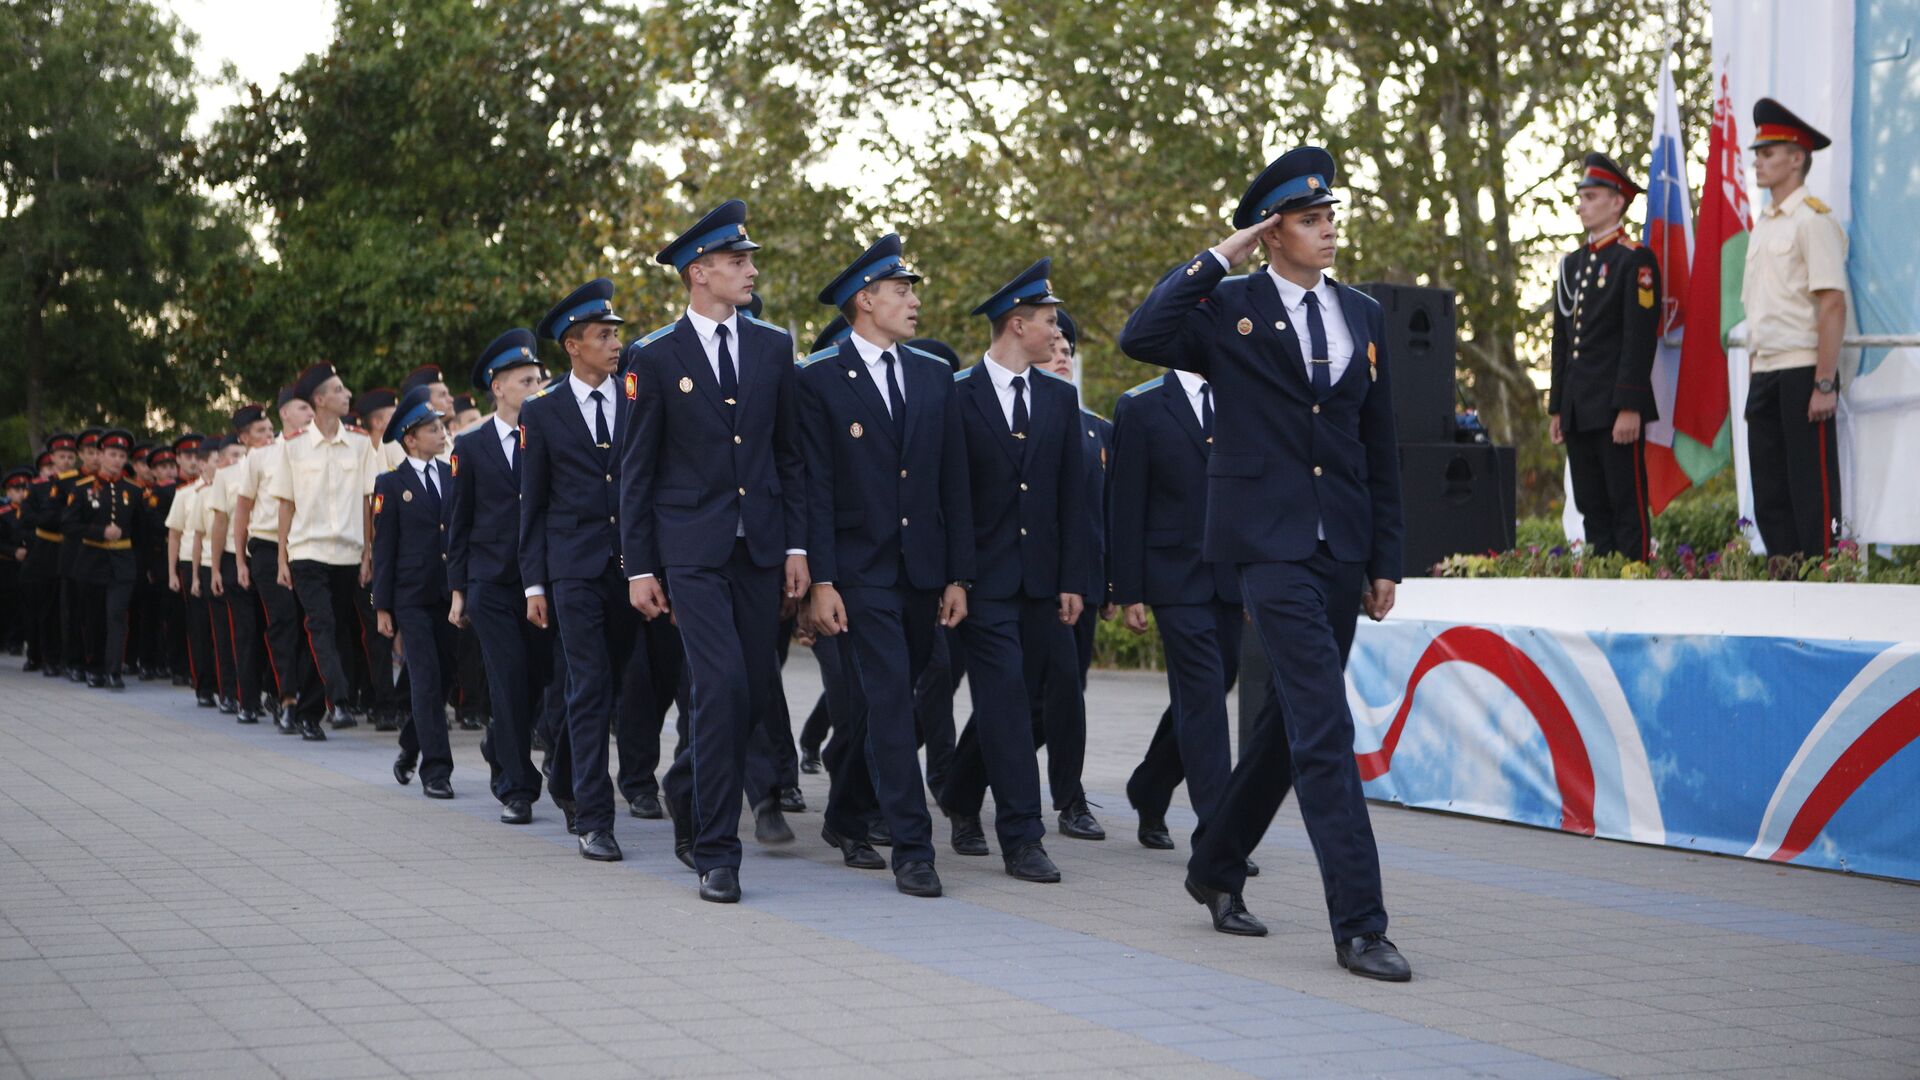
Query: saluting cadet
x=252 y=432
x=1795 y=295
x=483 y=570
x=183 y=550
x=73 y=638
x=410 y=598
x=104 y=514
x=160 y=626
x=215 y=540
x=569 y=542
x=1304 y=497
x=880 y=423
x=1024 y=463
x=41 y=570
x=713 y=515
x=323 y=490
x=1606 y=328
x=256 y=525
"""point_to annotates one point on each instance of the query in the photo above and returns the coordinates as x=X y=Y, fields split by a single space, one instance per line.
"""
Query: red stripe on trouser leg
x=1826 y=495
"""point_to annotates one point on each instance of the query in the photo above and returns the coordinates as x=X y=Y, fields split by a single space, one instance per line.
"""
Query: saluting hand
x=1242 y=244
x=1070 y=607
x=1378 y=599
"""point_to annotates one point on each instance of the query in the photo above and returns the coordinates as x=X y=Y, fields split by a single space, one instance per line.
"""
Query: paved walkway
x=183 y=896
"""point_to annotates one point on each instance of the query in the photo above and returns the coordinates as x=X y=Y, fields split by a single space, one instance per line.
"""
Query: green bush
x=1114 y=646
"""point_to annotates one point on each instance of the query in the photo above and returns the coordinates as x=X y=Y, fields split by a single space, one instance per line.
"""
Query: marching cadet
x=429 y=376
x=256 y=525
x=466 y=413
x=73 y=637
x=40 y=573
x=104 y=514
x=215 y=539
x=183 y=548
x=713 y=515
x=1024 y=463
x=191 y=662
x=933 y=696
x=569 y=543
x=880 y=423
x=410 y=598
x=368 y=655
x=1304 y=498
x=323 y=489
x=160 y=626
x=1606 y=328
x=252 y=431
x=374 y=407
x=826 y=651
x=483 y=571
x=1795 y=294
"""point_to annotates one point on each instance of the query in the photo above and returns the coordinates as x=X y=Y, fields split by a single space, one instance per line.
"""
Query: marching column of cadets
x=653 y=522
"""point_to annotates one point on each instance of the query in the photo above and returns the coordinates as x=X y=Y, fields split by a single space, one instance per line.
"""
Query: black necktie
x=1019 y=407
x=729 y=381
x=1317 y=339
x=896 y=404
x=1206 y=410
x=433 y=489
x=602 y=438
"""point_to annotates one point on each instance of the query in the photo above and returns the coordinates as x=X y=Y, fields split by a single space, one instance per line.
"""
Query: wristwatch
x=1828 y=385
x=967 y=585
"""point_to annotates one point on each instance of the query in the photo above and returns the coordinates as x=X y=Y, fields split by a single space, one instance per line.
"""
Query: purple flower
x=1713 y=558
x=1556 y=552
x=1743 y=524
x=1685 y=550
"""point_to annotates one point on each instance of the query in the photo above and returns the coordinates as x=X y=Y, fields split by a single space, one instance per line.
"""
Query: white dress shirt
x=1193 y=384
x=1294 y=299
x=583 y=395
x=705 y=329
x=424 y=466
x=1002 y=379
x=870 y=354
x=509 y=435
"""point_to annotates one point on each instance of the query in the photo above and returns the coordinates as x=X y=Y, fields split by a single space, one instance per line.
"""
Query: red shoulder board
x=355 y=430
x=632 y=383
x=378 y=502
x=292 y=435
x=453 y=463
x=523 y=436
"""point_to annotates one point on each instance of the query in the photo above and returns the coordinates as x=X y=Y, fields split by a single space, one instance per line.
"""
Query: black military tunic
x=105 y=566
x=1606 y=326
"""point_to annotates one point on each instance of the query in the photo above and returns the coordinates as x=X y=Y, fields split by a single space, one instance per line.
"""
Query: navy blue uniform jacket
x=1282 y=462
x=409 y=554
x=568 y=488
x=874 y=506
x=1030 y=526
x=1159 y=502
x=695 y=468
x=483 y=512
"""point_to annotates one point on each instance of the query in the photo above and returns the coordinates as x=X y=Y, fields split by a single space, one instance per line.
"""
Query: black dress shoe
x=809 y=759
x=968 y=837
x=383 y=720
x=96 y=682
x=855 y=853
x=769 y=825
x=437 y=789
x=599 y=846
x=116 y=682
x=272 y=706
x=403 y=769
x=52 y=671
x=682 y=839
x=683 y=850
x=76 y=675
x=1372 y=956
x=1253 y=868
x=286 y=723
x=916 y=879
x=468 y=723
x=1230 y=915
x=516 y=812
x=1153 y=833
x=879 y=833
x=340 y=719
x=205 y=701
x=720 y=885
x=229 y=706
x=247 y=716
x=792 y=801
x=311 y=731
x=32 y=666
x=566 y=809
x=1029 y=862
x=1077 y=821
x=646 y=806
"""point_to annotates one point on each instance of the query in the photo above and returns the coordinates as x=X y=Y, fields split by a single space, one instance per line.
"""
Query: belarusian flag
x=1702 y=429
x=1669 y=235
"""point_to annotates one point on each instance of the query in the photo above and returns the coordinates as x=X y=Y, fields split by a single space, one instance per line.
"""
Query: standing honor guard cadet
x=323 y=489
x=713 y=515
x=105 y=516
x=483 y=569
x=73 y=638
x=1304 y=497
x=40 y=573
x=1795 y=295
x=569 y=542
x=1606 y=327
x=890 y=532
x=1024 y=466
x=410 y=585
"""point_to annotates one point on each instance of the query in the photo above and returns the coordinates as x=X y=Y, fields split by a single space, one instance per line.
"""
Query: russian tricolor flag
x=1669 y=235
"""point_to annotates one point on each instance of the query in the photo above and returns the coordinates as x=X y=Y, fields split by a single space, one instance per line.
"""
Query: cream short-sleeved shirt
x=184 y=516
x=1796 y=249
x=328 y=481
x=255 y=482
x=219 y=500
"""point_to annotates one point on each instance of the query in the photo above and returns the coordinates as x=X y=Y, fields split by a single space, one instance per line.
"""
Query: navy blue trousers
x=1047 y=660
x=427 y=637
x=852 y=807
x=518 y=658
x=1202 y=643
x=1008 y=643
x=598 y=632
x=890 y=635
x=1303 y=611
x=729 y=619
